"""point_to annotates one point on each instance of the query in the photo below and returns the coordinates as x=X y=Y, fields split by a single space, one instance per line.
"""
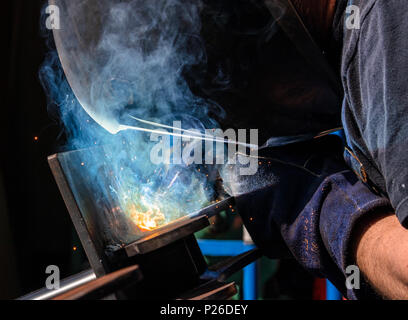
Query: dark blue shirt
x=374 y=70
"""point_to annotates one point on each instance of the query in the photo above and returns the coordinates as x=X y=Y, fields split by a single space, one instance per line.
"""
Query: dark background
x=35 y=229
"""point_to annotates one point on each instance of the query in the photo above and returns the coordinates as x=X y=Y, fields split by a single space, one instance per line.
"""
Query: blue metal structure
x=226 y=248
x=331 y=292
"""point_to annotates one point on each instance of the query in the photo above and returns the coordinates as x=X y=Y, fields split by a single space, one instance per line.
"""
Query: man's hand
x=382 y=255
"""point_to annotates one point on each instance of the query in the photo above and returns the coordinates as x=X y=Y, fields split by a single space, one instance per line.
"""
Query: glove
x=306 y=202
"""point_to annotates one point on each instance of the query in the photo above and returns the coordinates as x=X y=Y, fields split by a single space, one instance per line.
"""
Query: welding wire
x=214 y=138
x=199 y=135
x=205 y=138
x=170 y=127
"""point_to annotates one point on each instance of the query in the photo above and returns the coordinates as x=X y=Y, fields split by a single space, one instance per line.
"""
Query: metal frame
x=178 y=234
x=226 y=248
x=93 y=252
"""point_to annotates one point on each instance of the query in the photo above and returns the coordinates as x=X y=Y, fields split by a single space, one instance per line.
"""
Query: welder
x=332 y=217
x=329 y=206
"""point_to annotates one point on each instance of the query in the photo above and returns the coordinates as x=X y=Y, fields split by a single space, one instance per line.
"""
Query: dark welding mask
x=258 y=63
x=266 y=71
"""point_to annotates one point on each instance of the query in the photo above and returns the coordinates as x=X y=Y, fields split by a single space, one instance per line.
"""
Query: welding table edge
x=102 y=287
x=177 y=230
x=164 y=237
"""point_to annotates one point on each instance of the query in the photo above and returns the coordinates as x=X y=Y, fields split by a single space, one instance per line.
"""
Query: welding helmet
x=260 y=65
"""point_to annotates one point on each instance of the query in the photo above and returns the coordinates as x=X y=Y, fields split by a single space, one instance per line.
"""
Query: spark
x=173 y=180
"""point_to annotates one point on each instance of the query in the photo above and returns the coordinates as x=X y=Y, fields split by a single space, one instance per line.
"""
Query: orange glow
x=74 y=248
x=35 y=138
x=148 y=220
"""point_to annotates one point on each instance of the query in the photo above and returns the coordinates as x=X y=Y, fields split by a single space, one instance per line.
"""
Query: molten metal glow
x=146 y=220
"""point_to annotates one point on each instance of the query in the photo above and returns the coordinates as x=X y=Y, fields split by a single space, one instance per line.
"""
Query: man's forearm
x=382 y=255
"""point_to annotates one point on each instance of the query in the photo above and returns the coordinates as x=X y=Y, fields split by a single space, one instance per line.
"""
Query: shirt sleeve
x=304 y=203
x=376 y=115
